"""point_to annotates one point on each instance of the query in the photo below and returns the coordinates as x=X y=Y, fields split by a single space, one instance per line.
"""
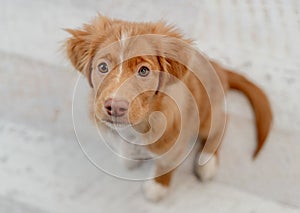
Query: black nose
x=115 y=107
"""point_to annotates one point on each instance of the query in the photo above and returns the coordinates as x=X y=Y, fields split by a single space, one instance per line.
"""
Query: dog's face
x=123 y=67
x=124 y=91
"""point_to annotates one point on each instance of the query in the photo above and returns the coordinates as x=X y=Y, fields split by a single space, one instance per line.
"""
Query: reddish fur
x=84 y=44
x=260 y=104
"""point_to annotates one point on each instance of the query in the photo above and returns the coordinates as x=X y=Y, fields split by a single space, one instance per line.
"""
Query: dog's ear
x=83 y=43
x=79 y=48
x=174 y=70
x=174 y=50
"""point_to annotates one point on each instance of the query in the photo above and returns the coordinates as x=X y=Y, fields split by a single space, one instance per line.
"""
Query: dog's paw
x=208 y=170
x=154 y=191
x=131 y=164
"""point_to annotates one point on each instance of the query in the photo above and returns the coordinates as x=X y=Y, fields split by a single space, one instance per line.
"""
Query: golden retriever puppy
x=149 y=79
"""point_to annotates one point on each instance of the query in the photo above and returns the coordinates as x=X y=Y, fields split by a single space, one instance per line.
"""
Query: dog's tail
x=260 y=105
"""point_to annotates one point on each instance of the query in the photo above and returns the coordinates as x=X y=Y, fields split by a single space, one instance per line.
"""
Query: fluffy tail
x=260 y=104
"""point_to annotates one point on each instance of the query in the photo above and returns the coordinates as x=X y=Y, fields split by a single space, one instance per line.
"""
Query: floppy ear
x=174 y=69
x=172 y=51
x=83 y=44
x=79 y=49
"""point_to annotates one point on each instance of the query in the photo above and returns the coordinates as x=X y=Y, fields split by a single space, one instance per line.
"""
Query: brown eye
x=143 y=71
x=103 y=67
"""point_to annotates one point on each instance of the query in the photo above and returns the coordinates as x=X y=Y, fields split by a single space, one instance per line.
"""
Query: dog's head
x=126 y=65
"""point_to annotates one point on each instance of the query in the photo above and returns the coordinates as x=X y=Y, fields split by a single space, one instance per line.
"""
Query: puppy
x=148 y=79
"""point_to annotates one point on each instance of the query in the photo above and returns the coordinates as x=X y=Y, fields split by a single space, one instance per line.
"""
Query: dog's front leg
x=157 y=188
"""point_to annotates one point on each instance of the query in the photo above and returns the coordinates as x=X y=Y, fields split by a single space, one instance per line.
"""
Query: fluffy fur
x=87 y=49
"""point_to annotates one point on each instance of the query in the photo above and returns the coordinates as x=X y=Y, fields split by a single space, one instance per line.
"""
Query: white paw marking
x=208 y=170
x=154 y=191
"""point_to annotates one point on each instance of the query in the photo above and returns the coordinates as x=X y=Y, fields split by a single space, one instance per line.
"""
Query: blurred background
x=42 y=168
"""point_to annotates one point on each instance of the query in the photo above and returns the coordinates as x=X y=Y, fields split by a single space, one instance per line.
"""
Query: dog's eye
x=143 y=71
x=103 y=67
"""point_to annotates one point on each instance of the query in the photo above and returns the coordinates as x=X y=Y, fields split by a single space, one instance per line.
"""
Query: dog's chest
x=127 y=143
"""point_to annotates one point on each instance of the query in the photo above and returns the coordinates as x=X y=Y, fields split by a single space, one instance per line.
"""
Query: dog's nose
x=115 y=107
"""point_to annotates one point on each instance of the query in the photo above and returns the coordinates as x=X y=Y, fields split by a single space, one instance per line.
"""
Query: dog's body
x=127 y=90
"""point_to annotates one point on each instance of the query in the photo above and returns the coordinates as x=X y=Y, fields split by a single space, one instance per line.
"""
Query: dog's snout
x=115 y=107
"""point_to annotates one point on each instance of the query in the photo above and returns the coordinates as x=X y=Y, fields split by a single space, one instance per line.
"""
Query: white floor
x=42 y=168
x=44 y=173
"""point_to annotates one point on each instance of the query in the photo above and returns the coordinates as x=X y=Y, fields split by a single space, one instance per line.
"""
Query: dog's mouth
x=115 y=124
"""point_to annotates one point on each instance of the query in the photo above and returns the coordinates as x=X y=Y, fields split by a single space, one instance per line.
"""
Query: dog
x=135 y=69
